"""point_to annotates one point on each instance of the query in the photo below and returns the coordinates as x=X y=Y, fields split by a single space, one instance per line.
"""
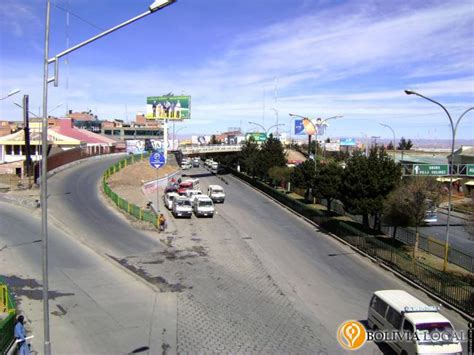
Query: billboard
x=304 y=127
x=348 y=142
x=257 y=137
x=168 y=107
x=200 y=140
x=332 y=147
x=139 y=146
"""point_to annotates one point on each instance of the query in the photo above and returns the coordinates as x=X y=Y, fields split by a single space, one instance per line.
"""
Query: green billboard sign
x=430 y=169
x=470 y=169
x=257 y=137
x=168 y=107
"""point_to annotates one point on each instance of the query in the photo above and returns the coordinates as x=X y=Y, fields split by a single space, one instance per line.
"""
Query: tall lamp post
x=11 y=93
x=267 y=129
x=276 y=116
x=393 y=133
x=454 y=127
x=154 y=7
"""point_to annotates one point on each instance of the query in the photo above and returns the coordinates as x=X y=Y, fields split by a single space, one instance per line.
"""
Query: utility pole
x=26 y=130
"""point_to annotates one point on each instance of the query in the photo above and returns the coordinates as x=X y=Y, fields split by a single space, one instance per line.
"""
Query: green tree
x=404 y=144
x=271 y=154
x=390 y=146
x=303 y=176
x=328 y=182
x=248 y=157
x=279 y=175
x=367 y=182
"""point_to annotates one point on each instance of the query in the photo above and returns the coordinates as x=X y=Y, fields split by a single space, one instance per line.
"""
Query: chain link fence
x=7 y=317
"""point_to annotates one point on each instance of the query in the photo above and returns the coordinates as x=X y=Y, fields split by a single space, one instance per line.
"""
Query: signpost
x=430 y=169
x=157 y=160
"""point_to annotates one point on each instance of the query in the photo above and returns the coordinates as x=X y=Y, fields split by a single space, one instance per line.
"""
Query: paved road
x=253 y=278
x=459 y=237
x=324 y=281
x=95 y=306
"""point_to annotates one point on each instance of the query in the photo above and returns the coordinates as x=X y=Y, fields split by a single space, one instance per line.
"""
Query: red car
x=185 y=185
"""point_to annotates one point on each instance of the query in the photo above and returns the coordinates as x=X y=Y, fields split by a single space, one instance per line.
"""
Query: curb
x=371 y=258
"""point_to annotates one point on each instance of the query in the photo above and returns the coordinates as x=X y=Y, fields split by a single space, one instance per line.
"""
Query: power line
x=77 y=16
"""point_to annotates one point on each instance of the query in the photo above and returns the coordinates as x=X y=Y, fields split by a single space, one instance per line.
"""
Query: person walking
x=162 y=222
x=20 y=335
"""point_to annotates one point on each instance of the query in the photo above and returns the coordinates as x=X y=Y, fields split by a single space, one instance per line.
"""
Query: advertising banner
x=332 y=147
x=201 y=140
x=348 y=142
x=304 y=127
x=139 y=146
x=299 y=128
x=168 y=107
x=257 y=137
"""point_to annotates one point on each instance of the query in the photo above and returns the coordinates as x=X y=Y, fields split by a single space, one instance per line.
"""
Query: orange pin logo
x=351 y=335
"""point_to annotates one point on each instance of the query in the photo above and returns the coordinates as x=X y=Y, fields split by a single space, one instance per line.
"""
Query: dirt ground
x=127 y=182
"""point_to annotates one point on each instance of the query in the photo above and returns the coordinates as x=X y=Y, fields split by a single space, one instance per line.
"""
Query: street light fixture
x=154 y=7
x=454 y=127
x=269 y=128
x=393 y=133
x=11 y=93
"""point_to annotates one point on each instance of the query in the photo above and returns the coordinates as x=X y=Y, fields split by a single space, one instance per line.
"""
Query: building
x=464 y=155
x=62 y=135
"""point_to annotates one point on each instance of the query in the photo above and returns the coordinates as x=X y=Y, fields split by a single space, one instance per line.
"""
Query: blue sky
x=327 y=58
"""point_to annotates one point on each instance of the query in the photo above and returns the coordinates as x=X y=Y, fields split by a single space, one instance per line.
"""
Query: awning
x=469 y=183
x=446 y=179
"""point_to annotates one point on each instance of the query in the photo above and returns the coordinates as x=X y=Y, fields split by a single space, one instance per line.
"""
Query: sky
x=244 y=61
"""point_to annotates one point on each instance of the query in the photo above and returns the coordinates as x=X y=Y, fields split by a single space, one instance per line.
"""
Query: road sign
x=430 y=170
x=157 y=159
x=470 y=169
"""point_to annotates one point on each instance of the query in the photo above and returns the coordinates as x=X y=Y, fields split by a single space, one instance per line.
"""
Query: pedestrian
x=20 y=335
x=162 y=222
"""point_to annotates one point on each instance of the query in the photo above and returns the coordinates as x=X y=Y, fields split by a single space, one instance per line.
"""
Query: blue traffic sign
x=157 y=159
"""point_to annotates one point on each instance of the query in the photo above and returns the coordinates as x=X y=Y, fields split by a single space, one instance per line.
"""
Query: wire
x=77 y=16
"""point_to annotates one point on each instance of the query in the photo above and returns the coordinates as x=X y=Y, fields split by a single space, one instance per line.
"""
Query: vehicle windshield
x=435 y=333
x=205 y=203
x=184 y=203
x=218 y=191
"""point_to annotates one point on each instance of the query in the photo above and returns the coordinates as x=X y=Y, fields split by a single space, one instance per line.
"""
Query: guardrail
x=213 y=148
x=132 y=209
x=445 y=286
x=7 y=323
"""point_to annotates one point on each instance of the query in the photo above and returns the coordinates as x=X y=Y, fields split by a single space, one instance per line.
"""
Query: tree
x=303 y=176
x=328 y=182
x=408 y=203
x=271 y=154
x=248 y=156
x=279 y=175
x=390 y=146
x=214 y=140
x=366 y=183
x=404 y=144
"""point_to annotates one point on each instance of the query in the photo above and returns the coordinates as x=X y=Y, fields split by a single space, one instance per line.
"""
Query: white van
x=216 y=193
x=396 y=311
x=214 y=166
x=203 y=206
x=168 y=199
x=182 y=207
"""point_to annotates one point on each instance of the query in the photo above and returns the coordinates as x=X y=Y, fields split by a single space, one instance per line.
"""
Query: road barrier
x=141 y=214
x=7 y=317
x=445 y=286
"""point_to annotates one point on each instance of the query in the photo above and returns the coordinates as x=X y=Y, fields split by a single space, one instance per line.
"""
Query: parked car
x=216 y=193
x=182 y=207
x=168 y=199
x=203 y=206
x=192 y=194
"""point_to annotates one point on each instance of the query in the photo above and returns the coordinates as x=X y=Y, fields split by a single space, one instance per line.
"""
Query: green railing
x=445 y=286
x=7 y=324
x=132 y=209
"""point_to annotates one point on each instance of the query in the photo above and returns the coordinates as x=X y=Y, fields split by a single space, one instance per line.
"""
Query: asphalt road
x=459 y=237
x=325 y=279
x=95 y=307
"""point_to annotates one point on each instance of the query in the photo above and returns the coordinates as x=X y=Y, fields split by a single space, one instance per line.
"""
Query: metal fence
x=132 y=209
x=447 y=287
x=7 y=324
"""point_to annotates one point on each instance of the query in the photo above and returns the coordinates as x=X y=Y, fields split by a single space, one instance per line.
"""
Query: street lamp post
x=269 y=128
x=393 y=133
x=454 y=127
x=276 y=116
x=11 y=93
x=154 y=7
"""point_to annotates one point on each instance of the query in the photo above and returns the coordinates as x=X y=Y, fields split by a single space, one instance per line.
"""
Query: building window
x=17 y=149
x=8 y=150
